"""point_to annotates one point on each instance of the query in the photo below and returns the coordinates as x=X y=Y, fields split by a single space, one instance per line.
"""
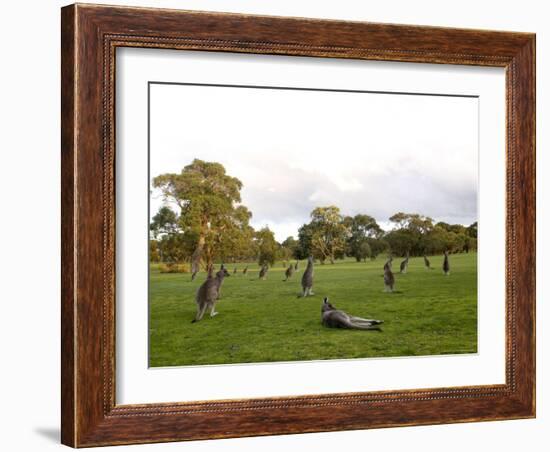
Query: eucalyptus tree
x=208 y=200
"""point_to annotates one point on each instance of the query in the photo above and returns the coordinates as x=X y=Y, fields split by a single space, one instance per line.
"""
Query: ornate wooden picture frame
x=90 y=36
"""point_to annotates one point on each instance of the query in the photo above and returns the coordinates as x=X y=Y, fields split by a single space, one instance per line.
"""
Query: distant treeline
x=213 y=226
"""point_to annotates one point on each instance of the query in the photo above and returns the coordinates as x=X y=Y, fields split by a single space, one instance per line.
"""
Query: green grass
x=264 y=321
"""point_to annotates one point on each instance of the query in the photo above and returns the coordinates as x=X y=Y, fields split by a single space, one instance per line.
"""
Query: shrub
x=172 y=267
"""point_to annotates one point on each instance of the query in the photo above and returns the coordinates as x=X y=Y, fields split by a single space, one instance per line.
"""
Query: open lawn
x=265 y=321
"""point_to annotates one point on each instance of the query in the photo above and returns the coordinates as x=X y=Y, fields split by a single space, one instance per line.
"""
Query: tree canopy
x=207 y=198
x=210 y=223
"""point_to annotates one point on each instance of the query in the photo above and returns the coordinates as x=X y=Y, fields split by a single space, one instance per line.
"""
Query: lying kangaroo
x=334 y=318
x=446 y=264
x=208 y=293
x=307 y=278
x=289 y=272
x=389 y=279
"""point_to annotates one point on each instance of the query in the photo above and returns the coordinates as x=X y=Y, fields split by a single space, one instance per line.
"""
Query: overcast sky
x=295 y=150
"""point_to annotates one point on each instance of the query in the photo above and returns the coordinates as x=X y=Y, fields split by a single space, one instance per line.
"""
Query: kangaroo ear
x=326 y=300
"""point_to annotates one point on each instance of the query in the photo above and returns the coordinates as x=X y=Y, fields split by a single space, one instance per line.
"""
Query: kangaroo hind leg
x=201 y=308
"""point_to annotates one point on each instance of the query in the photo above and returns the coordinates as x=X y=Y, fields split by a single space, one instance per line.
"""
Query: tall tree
x=165 y=221
x=361 y=228
x=329 y=233
x=267 y=246
x=207 y=198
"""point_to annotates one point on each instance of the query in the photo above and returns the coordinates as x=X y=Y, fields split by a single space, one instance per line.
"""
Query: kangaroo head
x=326 y=306
x=223 y=272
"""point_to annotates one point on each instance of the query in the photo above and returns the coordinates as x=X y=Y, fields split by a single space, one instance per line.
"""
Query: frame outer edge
x=68 y=229
x=86 y=420
x=525 y=62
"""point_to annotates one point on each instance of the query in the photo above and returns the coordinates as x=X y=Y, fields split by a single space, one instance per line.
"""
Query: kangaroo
x=263 y=272
x=446 y=264
x=388 y=263
x=289 y=272
x=245 y=270
x=335 y=318
x=427 y=263
x=389 y=279
x=222 y=272
x=404 y=265
x=307 y=278
x=208 y=293
x=296 y=266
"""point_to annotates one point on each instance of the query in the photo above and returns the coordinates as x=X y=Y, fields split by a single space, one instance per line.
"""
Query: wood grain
x=90 y=35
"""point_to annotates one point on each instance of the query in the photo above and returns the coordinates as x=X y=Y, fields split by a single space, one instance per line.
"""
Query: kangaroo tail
x=355 y=325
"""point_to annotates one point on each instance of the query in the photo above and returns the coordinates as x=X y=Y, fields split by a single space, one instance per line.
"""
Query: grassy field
x=264 y=321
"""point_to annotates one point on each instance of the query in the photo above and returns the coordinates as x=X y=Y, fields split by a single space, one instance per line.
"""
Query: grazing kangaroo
x=289 y=272
x=335 y=318
x=296 y=266
x=307 y=278
x=389 y=279
x=263 y=271
x=404 y=265
x=427 y=263
x=446 y=264
x=209 y=293
x=245 y=270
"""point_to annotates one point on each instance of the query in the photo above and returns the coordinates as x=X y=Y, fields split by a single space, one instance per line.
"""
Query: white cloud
x=295 y=150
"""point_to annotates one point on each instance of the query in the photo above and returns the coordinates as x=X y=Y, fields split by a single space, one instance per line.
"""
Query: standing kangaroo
x=209 y=293
x=389 y=279
x=296 y=266
x=289 y=272
x=404 y=265
x=335 y=318
x=222 y=273
x=245 y=270
x=307 y=278
x=446 y=264
x=388 y=263
x=263 y=272
x=427 y=263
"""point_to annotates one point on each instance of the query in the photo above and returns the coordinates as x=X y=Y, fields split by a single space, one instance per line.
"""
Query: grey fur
x=404 y=265
x=208 y=293
x=335 y=318
x=222 y=273
x=263 y=271
x=289 y=272
x=427 y=262
x=307 y=278
x=446 y=264
x=389 y=279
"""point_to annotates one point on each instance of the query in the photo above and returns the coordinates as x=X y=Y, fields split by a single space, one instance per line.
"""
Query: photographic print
x=295 y=224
